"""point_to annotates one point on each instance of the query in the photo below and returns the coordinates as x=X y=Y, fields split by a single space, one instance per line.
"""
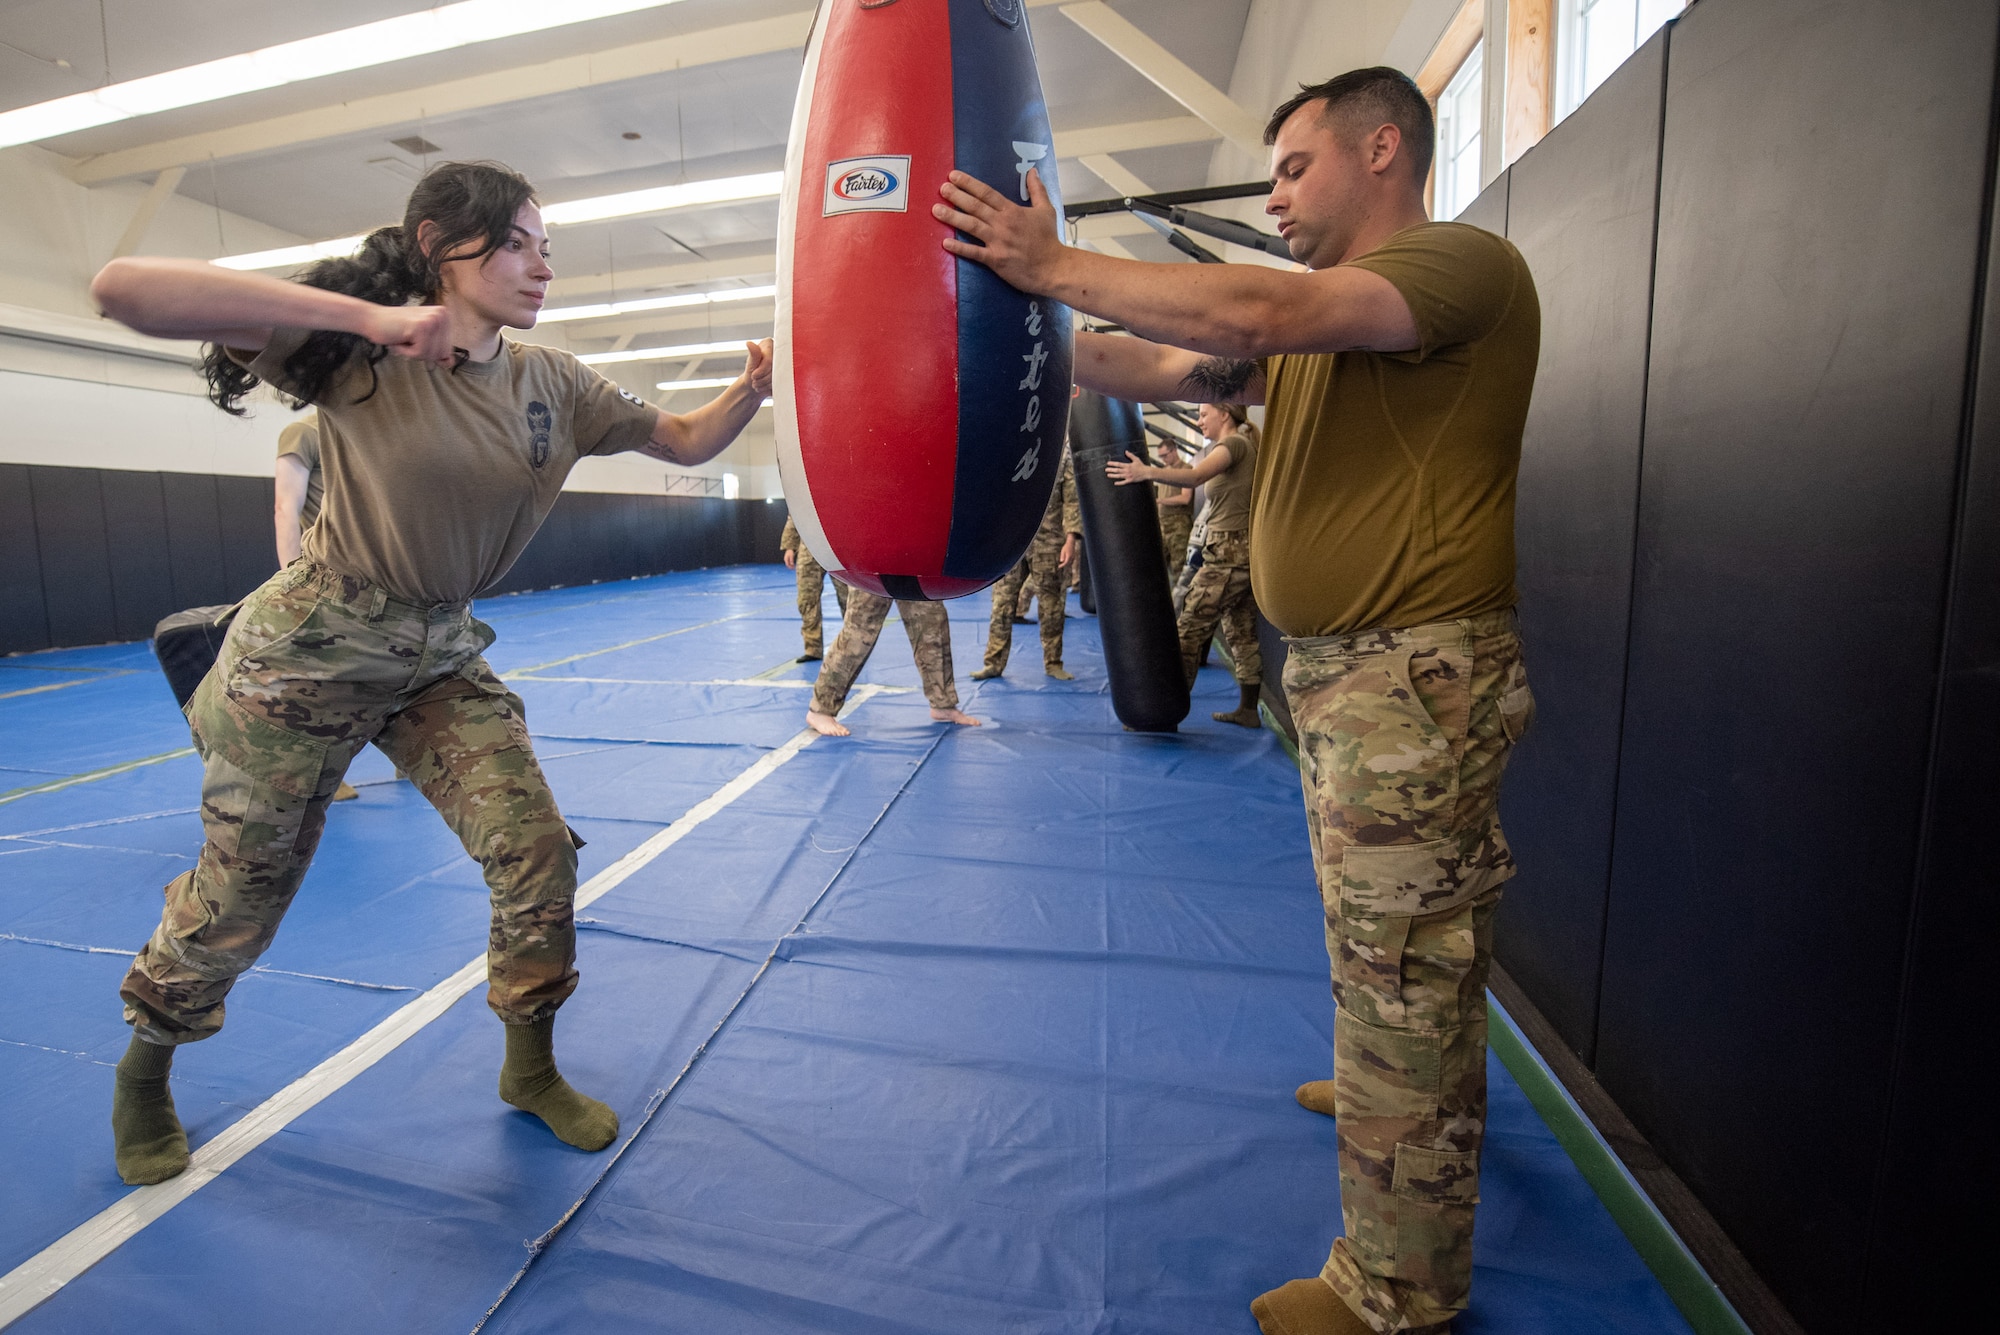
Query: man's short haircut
x=1367 y=98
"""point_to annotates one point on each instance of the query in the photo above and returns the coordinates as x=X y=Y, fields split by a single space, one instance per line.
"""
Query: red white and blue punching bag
x=921 y=401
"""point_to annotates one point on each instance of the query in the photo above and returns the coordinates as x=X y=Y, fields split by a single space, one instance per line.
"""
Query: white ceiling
x=705 y=121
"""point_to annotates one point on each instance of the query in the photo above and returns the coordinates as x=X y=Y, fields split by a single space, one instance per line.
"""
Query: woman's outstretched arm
x=695 y=438
x=170 y=298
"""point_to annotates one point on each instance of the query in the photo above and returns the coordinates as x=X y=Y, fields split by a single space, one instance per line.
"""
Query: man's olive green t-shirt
x=1229 y=490
x=1385 y=496
x=436 y=478
x=301 y=441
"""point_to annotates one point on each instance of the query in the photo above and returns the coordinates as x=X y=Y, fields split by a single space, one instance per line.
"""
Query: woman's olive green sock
x=151 y=1146
x=529 y=1080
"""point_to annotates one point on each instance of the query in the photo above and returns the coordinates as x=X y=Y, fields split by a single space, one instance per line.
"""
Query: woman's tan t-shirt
x=436 y=480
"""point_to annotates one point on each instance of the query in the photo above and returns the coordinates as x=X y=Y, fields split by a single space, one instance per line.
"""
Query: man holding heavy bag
x=1396 y=374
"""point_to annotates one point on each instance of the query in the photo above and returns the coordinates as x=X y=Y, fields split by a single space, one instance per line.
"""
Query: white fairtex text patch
x=867 y=185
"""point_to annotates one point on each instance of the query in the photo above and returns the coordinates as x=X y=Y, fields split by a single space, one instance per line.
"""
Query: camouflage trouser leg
x=929 y=628
x=1000 y=627
x=1045 y=572
x=860 y=627
x=1403 y=736
x=465 y=745
x=315 y=666
x=1220 y=593
x=812 y=580
x=1176 y=523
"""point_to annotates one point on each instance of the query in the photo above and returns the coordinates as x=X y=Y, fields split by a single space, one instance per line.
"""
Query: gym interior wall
x=96 y=555
x=1761 y=598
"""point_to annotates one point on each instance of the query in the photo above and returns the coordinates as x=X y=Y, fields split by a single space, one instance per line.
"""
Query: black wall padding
x=194 y=539
x=90 y=556
x=1944 y=1042
x=1815 y=291
x=76 y=561
x=135 y=526
x=1135 y=604
x=1580 y=208
x=24 y=622
x=249 y=537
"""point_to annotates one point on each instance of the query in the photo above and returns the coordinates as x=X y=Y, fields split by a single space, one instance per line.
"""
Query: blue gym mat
x=931 y=1029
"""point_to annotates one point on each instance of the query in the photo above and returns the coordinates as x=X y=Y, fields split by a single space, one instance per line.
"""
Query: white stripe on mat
x=43 y=1275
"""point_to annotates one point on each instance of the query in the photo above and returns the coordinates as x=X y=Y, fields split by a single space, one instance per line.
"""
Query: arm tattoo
x=1219 y=379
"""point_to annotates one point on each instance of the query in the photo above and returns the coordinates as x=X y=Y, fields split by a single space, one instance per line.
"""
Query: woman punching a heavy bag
x=444 y=446
x=1221 y=588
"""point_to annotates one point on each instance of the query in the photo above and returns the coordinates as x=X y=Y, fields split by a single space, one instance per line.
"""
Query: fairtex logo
x=867 y=185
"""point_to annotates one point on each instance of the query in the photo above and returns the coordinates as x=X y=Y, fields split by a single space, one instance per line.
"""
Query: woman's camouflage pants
x=861 y=626
x=1176 y=524
x=1403 y=736
x=316 y=666
x=1220 y=594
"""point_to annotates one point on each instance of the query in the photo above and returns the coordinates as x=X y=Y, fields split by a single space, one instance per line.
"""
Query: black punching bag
x=1128 y=568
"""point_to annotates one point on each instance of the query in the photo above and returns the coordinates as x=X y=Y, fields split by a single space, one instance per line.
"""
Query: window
x=1459 y=110
x=1596 y=37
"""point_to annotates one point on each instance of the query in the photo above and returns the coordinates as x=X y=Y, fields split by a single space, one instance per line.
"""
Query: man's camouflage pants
x=930 y=640
x=316 y=666
x=1220 y=592
x=1041 y=569
x=1403 y=736
x=812 y=583
x=1176 y=524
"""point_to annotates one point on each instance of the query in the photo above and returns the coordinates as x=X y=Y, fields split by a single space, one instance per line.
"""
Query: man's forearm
x=1206 y=308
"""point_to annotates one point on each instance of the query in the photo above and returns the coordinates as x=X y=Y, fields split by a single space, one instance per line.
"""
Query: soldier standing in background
x=812 y=581
x=1176 y=507
x=299 y=489
x=1041 y=569
x=930 y=641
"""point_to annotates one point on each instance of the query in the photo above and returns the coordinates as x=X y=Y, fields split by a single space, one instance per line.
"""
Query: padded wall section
x=194 y=539
x=594 y=536
x=245 y=506
x=135 y=527
x=76 y=561
x=1580 y=208
x=1933 y=1185
x=1814 y=297
x=24 y=622
x=89 y=556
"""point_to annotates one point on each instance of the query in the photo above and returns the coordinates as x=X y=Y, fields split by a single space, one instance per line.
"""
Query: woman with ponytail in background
x=444 y=446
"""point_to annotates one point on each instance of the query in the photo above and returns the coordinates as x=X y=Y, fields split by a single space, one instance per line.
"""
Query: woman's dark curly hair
x=471 y=203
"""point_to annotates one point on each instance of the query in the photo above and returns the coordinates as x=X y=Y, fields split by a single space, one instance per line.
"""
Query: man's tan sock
x=1316 y=1095
x=146 y=1133
x=1306 y=1307
x=529 y=1080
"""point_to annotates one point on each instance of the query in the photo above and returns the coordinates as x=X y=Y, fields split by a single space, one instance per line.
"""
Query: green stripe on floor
x=71 y=781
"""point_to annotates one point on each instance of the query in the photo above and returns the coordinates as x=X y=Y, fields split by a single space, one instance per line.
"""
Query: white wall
x=89 y=407
x=1291 y=42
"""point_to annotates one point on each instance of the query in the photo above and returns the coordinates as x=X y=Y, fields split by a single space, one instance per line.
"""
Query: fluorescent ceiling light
x=724 y=190
x=605 y=308
x=711 y=382
x=287 y=257
x=427 y=30
x=663 y=354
